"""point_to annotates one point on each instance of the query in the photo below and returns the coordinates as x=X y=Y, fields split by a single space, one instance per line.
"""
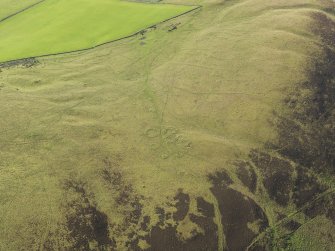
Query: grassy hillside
x=59 y=25
x=214 y=131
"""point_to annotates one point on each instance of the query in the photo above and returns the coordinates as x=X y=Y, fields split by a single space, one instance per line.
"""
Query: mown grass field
x=214 y=131
x=55 y=26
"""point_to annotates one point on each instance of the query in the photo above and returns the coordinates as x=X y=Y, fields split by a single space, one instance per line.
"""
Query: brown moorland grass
x=141 y=142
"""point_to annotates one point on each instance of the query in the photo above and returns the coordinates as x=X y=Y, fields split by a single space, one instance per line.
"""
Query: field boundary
x=22 y=10
x=196 y=7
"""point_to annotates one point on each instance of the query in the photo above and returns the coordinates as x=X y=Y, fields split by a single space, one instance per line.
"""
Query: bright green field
x=66 y=25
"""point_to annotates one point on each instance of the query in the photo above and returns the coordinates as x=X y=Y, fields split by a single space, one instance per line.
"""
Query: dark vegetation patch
x=161 y=215
x=306 y=188
x=306 y=135
x=26 y=63
x=280 y=216
x=205 y=208
x=220 y=179
x=237 y=211
x=88 y=227
x=164 y=235
x=246 y=173
x=324 y=206
x=168 y=238
x=182 y=206
x=292 y=225
x=145 y=223
x=277 y=176
x=128 y=201
x=125 y=194
x=164 y=238
x=208 y=240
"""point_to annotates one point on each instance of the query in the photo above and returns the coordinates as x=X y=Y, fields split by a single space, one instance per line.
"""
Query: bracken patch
x=88 y=227
x=237 y=211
